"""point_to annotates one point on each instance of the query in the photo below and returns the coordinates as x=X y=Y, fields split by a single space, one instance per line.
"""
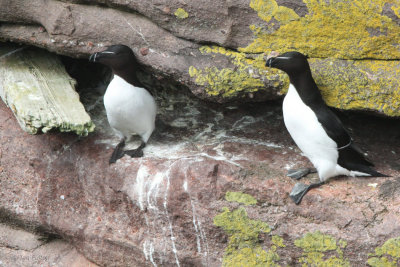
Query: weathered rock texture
x=35 y=85
x=22 y=248
x=211 y=190
x=173 y=37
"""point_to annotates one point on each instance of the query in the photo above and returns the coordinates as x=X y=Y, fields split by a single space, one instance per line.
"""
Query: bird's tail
x=368 y=170
x=374 y=173
x=353 y=159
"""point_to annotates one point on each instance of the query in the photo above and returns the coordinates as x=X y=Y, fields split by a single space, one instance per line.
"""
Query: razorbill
x=130 y=108
x=316 y=130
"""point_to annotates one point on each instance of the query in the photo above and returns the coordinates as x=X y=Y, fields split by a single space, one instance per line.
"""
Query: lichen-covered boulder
x=169 y=38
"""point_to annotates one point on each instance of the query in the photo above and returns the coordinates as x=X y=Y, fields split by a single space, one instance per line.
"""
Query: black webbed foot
x=299 y=173
x=118 y=152
x=136 y=153
x=300 y=190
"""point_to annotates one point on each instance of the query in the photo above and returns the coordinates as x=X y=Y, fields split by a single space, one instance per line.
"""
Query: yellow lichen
x=225 y=82
x=278 y=241
x=340 y=29
x=361 y=84
x=388 y=255
x=315 y=245
x=240 y=197
x=244 y=248
x=396 y=10
x=246 y=78
x=267 y=9
x=180 y=13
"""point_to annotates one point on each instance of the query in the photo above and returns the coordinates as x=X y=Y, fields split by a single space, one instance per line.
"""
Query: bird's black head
x=290 y=62
x=122 y=61
x=115 y=56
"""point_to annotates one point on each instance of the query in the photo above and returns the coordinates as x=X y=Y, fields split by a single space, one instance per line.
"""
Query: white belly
x=310 y=136
x=130 y=110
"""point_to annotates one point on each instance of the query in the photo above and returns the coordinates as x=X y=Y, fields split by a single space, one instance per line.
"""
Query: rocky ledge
x=211 y=190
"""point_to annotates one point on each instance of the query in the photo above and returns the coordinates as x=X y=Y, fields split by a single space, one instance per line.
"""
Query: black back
x=296 y=66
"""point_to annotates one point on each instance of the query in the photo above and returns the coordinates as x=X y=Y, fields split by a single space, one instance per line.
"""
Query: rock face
x=170 y=36
x=211 y=190
x=21 y=248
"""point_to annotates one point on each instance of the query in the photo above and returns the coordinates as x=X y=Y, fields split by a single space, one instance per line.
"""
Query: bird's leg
x=299 y=173
x=118 y=152
x=300 y=190
x=136 y=153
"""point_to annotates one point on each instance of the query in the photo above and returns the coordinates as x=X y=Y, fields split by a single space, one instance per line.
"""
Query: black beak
x=93 y=57
x=268 y=63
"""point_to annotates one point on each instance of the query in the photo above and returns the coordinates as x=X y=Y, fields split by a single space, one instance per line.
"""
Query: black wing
x=350 y=156
x=332 y=125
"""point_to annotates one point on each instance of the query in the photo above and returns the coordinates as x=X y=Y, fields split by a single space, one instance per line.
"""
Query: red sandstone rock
x=159 y=209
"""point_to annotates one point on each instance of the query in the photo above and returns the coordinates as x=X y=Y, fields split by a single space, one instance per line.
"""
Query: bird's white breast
x=309 y=135
x=129 y=109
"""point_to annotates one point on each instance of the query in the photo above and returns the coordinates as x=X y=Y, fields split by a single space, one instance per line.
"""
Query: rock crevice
x=241 y=30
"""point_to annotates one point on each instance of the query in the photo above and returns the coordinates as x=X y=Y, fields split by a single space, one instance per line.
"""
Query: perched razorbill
x=130 y=108
x=316 y=130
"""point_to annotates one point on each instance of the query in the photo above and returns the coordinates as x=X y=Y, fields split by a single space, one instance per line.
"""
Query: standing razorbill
x=316 y=130
x=130 y=108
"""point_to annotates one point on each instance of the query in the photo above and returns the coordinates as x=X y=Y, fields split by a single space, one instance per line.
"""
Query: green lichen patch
x=250 y=75
x=225 y=82
x=239 y=197
x=316 y=246
x=340 y=29
x=244 y=248
x=396 y=10
x=388 y=255
x=359 y=85
x=267 y=9
x=278 y=241
x=180 y=13
x=35 y=85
